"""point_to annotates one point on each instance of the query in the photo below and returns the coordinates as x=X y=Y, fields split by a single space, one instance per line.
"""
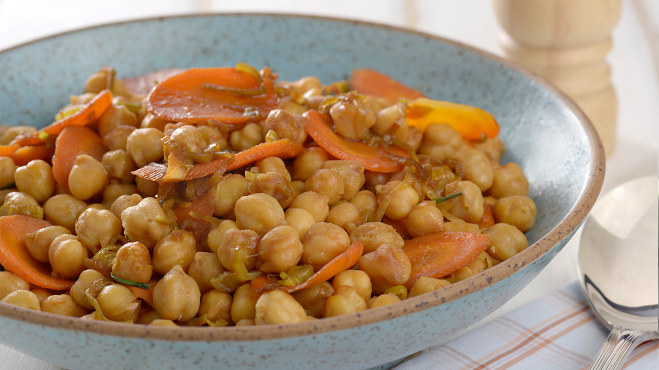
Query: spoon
x=618 y=268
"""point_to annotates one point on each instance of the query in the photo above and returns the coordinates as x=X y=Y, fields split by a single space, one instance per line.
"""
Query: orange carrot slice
x=6 y=150
x=488 y=216
x=374 y=158
x=187 y=217
x=186 y=97
x=25 y=154
x=437 y=255
x=85 y=116
x=283 y=148
x=15 y=257
x=371 y=82
x=471 y=122
x=72 y=142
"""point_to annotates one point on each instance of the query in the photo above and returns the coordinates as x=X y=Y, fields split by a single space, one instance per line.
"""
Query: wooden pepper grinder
x=566 y=42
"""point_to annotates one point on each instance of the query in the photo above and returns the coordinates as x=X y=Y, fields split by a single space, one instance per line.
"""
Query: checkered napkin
x=557 y=331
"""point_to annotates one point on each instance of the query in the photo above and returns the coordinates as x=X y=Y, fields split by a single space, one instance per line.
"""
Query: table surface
x=634 y=59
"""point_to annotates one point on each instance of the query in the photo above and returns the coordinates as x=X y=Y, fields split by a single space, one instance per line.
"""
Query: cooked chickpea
x=151 y=121
x=23 y=298
x=63 y=210
x=516 y=210
x=505 y=241
x=35 y=179
x=299 y=219
x=345 y=300
x=474 y=166
x=313 y=299
x=67 y=258
x=123 y=202
x=509 y=179
x=305 y=84
x=11 y=283
x=118 y=303
x=133 y=262
x=278 y=307
x=7 y=169
x=176 y=296
x=275 y=185
x=118 y=138
x=386 y=118
x=205 y=266
x=38 y=242
x=144 y=146
x=161 y=322
x=41 y=293
x=488 y=259
x=309 y=161
x=471 y=269
x=187 y=137
x=279 y=250
x=387 y=266
x=62 y=304
x=147 y=318
x=327 y=182
x=273 y=164
x=365 y=201
x=213 y=135
x=298 y=187
x=287 y=104
x=175 y=249
x=409 y=135
x=286 y=125
x=216 y=235
x=345 y=215
x=235 y=240
x=312 y=202
x=469 y=206
x=427 y=284
x=87 y=177
x=243 y=306
x=115 y=116
x=352 y=174
x=382 y=300
x=440 y=141
x=17 y=203
x=416 y=184
x=119 y=164
x=79 y=288
x=401 y=200
x=259 y=212
x=492 y=147
x=114 y=191
x=10 y=133
x=425 y=219
x=147 y=188
x=95 y=228
x=322 y=242
x=249 y=136
x=355 y=278
x=140 y=222
x=227 y=192
x=216 y=305
x=352 y=119
x=374 y=234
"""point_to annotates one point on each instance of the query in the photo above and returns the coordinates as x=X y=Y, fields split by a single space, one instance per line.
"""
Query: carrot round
x=471 y=122
x=202 y=206
x=371 y=82
x=437 y=255
x=186 y=97
x=72 y=142
x=15 y=257
x=373 y=158
x=25 y=154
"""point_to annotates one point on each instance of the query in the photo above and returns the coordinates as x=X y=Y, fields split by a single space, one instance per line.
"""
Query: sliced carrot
x=374 y=158
x=187 y=217
x=144 y=294
x=15 y=257
x=72 y=142
x=471 y=122
x=437 y=255
x=283 y=148
x=85 y=116
x=183 y=97
x=371 y=82
x=26 y=154
x=6 y=150
x=488 y=216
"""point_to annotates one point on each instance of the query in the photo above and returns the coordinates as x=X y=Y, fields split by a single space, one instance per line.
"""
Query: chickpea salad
x=222 y=196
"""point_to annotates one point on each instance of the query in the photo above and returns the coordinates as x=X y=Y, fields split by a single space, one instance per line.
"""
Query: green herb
x=8 y=186
x=439 y=200
x=130 y=282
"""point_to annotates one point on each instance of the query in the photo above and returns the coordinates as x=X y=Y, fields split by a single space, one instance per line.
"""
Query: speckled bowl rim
x=567 y=225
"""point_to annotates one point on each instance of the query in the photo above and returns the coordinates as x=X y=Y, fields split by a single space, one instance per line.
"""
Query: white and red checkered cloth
x=557 y=331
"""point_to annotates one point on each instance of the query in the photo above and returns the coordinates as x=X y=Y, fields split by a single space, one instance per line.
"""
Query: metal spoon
x=618 y=268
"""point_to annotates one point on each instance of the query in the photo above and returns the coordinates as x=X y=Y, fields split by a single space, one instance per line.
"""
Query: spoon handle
x=617 y=347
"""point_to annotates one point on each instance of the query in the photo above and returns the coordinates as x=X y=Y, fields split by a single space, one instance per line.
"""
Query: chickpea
x=287 y=104
x=259 y=212
x=235 y=240
x=147 y=188
x=144 y=146
x=425 y=219
x=322 y=242
x=216 y=235
x=386 y=118
x=67 y=258
x=273 y=164
x=516 y=210
x=227 y=192
x=35 y=179
x=352 y=174
x=427 y=284
x=471 y=269
x=374 y=234
x=187 y=137
x=489 y=260
x=355 y=278
x=387 y=266
x=373 y=179
x=416 y=185
x=469 y=205
x=63 y=210
x=286 y=125
x=345 y=215
x=12 y=132
x=275 y=185
x=352 y=119
x=327 y=182
x=17 y=203
x=41 y=293
x=147 y=318
x=161 y=322
x=365 y=201
x=216 y=305
x=474 y=166
x=175 y=249
x=309 y=161
x=312 y=202
x=23 y=298
x=382 y=300
x=118 y=138
x=509 y=180
x=205 y=266
x=412 y=136
x=79 y=288
x=243 y=306
x=119 y=164
x=375 y=103
x=115 y=116
x=299 y=219
x=87 y=177
x=213 y=135
x=505 y=241
x=298 y=187
x=176 y=296
x=345 y=300
x=247 y=137
x=401 y=200
x=95 y=228
x=278 y=307
x=279 y=250
x=62 y=304
x=313 y=299
x=440 y=141
x=11 y=283
x=133 y=262
x=123 y=202
x=151 y=121
x=493 y=148
x=140 y=222
x=118 y=303
x=7 y=169
x=305 y=84
x=38 y=242
x=91 y=316
x=114 y=191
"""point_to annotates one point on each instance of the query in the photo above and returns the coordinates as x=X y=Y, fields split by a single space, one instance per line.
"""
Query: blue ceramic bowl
x=544 y=132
